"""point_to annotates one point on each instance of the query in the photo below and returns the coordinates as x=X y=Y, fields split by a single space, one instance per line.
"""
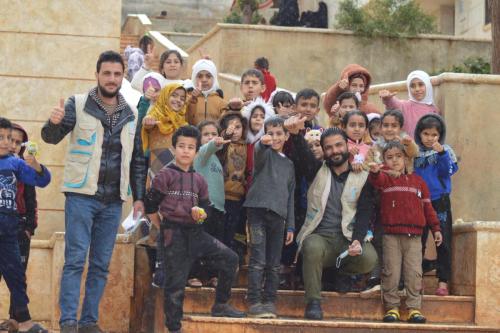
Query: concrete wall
x=49 y=50
x=469 y=104
x=470 y=19
x=44 y=273
x=301 y=57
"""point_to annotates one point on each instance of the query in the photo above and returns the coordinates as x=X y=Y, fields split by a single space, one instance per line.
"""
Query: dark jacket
x=108 y=184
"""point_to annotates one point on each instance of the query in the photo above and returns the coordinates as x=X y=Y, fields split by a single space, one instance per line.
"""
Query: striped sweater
x=405 y=204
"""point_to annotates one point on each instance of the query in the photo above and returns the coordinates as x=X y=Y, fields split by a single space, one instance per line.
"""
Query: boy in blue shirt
x=436 y=163
x=30 y=172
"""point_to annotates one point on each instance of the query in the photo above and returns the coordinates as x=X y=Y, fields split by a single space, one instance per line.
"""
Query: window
x=487 y=12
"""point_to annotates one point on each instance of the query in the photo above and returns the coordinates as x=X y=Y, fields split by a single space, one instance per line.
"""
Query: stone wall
x=49 y=50
x=301 y=57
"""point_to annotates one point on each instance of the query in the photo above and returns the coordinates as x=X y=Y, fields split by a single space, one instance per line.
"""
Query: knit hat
x=424 y=77
x=209 y=66
x=248 y=111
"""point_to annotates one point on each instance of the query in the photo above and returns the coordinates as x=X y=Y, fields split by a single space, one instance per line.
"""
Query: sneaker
x=416 y=317
x=226 y=310
x=69 y=328
x=313 y=310
x=36 y=328
x=391 y=316
x=92 y=328
x=270 y=308
x=9 y=326
x=371 y=289
x=194 y=283
x=158 y=276
x=257 y=310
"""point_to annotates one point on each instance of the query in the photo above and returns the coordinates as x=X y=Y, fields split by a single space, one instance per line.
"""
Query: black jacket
x=108 y=184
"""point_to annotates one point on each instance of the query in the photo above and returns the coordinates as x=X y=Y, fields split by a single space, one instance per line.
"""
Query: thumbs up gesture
x=58 y=113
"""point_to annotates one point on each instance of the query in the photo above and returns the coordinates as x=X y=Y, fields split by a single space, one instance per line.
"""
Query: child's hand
x=32 y=162
x=198 y=214
x=438 y=147
x=354 y=151
x=335 y=108
x=438 y=238
x=386 y=94
x=289 y=238
x=151 y=94
x=295 y=123
x=374 y=167
x=343 y=84
x=149 y=121
x=266 y=140
x=220 y=141
x=235 y=103
x=406 y=140
x=355 y=249
x=58 y=113
x=230 y=130
x=196 y=92
x=357 y=167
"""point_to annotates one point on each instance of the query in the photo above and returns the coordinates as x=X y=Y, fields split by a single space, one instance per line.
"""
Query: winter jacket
x=334 y=91
x=175 y=192
x=205 y=108
x=109 y=180
x=208 y=165
x=435 y=168
x=405 y=204
x=270 y=82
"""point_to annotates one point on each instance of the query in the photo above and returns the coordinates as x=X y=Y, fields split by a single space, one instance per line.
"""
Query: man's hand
x=138 y=209
x=266 y=140
x=295 y=123
x=438 y=238
x=386 y=94
x=32 y=162
x=344 y=84
x=289 y=238
x=355 y=249
x=58 y=113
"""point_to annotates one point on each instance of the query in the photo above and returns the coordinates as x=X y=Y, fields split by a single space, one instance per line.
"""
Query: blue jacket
x=435 y=168
x=13 y=169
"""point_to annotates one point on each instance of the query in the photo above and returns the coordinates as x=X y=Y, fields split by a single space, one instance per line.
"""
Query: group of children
x=249 y=189
x=222 y=179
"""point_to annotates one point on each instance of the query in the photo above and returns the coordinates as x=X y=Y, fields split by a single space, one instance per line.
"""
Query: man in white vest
x=104 y=165
x=340 y=204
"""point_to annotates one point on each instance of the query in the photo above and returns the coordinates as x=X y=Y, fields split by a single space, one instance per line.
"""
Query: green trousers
x=321 y=251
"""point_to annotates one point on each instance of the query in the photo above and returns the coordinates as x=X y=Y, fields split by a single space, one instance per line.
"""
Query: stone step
x=450 y=309
x=204 y=324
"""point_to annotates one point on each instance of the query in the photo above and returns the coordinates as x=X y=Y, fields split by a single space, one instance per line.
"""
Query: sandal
x=391 y=316
x=36 y=328
x=416 y=317
x=212 y=282
x=9 y=326
x=194 y=283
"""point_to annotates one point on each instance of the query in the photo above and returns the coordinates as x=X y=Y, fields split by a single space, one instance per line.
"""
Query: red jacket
x=270 y=82
x=405 y=204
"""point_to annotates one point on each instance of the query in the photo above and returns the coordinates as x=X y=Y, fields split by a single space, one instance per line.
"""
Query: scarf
x=424 y=77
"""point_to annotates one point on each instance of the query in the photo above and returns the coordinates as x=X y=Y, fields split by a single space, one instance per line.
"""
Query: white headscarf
x=247 y=113
x=424 y=77
x=209 y=66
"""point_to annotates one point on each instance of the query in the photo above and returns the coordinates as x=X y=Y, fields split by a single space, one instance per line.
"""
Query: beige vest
x=83 y=158
x=317 y=197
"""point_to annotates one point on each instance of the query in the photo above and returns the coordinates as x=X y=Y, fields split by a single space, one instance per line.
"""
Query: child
x=420 y=103
x=405 y=211
x=205 y=102
x=180 y=195
x=307 y=104
x=354 y=79
x=167 y=115
x=374 y=125
x=251 y=86
x=256 y=113
x=135 y=56
x=208 y=165
x=283 y=103
x=355 y=124
x=270 y=204
x=233 y=158
x=346 y=102
x=312 y=138
x=29 y=172
x=436 y=163
x=262 y=64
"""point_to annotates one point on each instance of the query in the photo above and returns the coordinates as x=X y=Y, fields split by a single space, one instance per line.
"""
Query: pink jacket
x=412 y=112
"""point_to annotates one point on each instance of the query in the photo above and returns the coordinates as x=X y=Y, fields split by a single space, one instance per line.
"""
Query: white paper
x=130 y=224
